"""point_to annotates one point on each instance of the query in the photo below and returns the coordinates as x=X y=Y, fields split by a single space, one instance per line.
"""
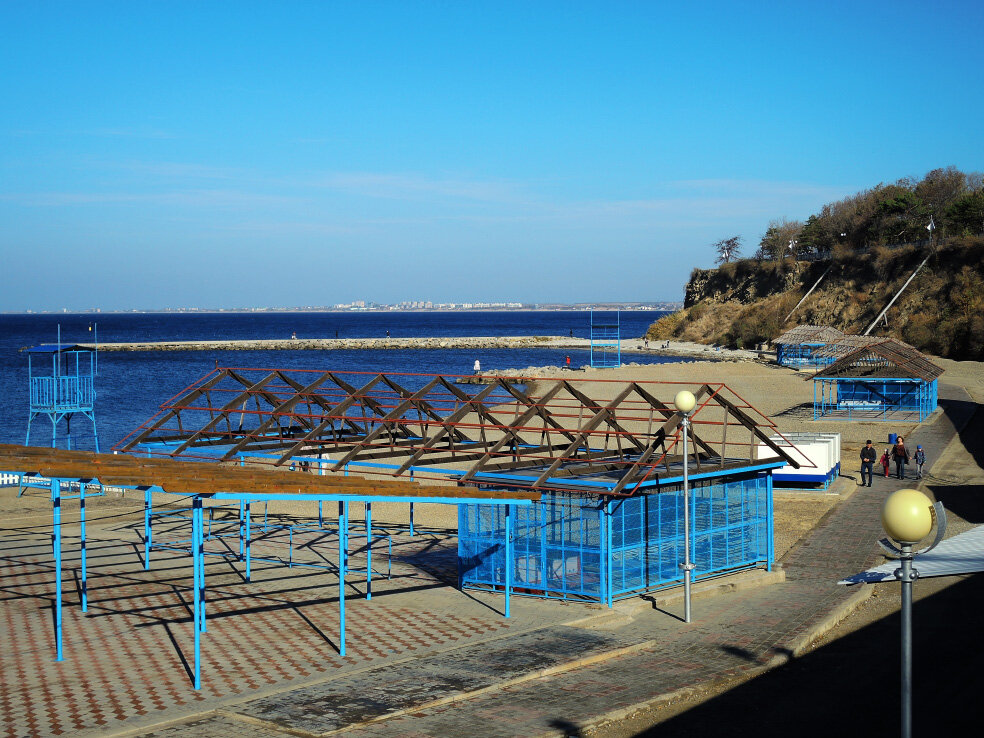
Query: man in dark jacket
x=868 y=456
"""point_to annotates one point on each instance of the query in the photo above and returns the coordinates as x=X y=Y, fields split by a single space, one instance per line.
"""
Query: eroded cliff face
x=748 y=302
x=743 y=283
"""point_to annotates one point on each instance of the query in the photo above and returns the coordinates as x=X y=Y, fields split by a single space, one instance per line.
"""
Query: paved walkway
x=423 y=660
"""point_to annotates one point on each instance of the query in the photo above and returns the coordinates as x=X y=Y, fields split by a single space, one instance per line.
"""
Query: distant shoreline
x=633 y=307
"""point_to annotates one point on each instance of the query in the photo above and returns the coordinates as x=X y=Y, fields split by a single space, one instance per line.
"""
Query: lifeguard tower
x=606 y=339
x=67 y=390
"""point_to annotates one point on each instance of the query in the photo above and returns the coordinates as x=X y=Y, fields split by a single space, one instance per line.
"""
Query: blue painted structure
x=68 y=390
x=802 y=354
x=599 y=548
x=870 y=398
x=606 y=341
x=802 y=345
x=197 y=540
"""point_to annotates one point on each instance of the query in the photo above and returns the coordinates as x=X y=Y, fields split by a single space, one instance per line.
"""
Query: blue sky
x=228 y=154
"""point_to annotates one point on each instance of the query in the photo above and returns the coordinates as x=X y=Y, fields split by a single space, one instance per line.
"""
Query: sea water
x=131 y=385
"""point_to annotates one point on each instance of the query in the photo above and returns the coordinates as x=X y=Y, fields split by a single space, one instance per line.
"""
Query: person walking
x=868 y=456
x=900 y=455
x=885 y=460
x=478 y=366
x=920 y=459
x=568 y=362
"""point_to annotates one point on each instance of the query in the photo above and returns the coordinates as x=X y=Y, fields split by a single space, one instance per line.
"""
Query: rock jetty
x=338 y=344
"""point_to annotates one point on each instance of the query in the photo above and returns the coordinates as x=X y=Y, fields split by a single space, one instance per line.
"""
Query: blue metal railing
x=62 y=393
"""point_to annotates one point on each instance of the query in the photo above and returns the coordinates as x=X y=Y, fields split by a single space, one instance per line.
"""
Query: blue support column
x=56 y=544
x=509 y=557
x=611 y=555
x=242 y=531
x=197 y=565
x=770 y=521
x=603 y=557
x=249 y=540
x=368 y=550
x=148 y=532
x=85 y=594
x=200 y=548
x=411 y=520
x=342 y=556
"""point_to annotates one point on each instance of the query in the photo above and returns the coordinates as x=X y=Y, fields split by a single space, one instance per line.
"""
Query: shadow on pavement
x=851 y=686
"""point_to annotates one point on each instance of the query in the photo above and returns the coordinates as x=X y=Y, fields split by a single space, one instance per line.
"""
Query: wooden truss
x=555 y=434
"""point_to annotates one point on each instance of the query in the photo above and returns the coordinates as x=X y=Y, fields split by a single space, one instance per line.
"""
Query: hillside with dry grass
x=746 y=302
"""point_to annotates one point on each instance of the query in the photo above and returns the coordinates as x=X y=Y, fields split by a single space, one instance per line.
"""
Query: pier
x=346 y=344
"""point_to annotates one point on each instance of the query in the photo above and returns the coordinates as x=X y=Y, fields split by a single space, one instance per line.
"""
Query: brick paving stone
x=270 y=650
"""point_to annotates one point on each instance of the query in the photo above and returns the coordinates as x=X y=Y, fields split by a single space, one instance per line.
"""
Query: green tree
x=966 y=214
x=815 y=238
x=939 y=189
x=901 y=215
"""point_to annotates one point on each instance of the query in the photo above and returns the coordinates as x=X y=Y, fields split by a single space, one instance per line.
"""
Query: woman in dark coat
x=900 y=455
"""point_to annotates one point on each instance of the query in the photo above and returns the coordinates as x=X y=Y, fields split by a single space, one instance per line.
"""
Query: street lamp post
x=907 y=516
x=685 y=403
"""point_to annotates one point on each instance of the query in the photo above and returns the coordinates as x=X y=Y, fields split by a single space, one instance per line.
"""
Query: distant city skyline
x=313 y=153
x=369 y=305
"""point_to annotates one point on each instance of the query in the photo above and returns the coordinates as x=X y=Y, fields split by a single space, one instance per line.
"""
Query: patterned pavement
x=128 y=659
x=423 y=659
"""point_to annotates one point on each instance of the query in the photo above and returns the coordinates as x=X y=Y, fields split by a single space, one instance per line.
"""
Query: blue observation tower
x=61 y=385
x=606 y=340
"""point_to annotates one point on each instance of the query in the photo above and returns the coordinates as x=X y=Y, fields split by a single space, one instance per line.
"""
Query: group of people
x=897 y=453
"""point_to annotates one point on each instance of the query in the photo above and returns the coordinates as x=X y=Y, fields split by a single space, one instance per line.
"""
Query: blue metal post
x=197 y=564
x=770 y=521
x=342 y=556
x=509 y=556
x=611 y=555
x=56 y=542
x=249 y=539
x=411 y=520
x=242 y=531
x=200 y=549
x=85 y=595
x=148 y=531
x=368 y=550
x=602 y=556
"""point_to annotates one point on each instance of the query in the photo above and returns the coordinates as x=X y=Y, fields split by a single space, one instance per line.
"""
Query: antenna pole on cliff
x=897 y=294
x=808 y=293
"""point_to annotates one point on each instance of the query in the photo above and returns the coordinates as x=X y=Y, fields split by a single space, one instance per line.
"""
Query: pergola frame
x=552 y=435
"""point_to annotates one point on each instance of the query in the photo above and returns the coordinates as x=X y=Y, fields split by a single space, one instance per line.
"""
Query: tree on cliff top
x=779 y=240
x=727 y=249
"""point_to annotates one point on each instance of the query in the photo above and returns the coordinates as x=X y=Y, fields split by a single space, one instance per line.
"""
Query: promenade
x=423 y=659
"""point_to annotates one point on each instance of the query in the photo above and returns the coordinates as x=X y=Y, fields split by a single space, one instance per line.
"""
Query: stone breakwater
x=339 y=344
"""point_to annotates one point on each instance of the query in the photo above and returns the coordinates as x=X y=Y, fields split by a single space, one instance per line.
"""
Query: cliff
x=746 y=302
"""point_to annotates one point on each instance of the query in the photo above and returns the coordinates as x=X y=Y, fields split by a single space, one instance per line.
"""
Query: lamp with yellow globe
x=907 y=516
x=685 y=402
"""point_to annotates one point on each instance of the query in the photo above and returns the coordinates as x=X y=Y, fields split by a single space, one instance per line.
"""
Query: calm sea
x=131 y=385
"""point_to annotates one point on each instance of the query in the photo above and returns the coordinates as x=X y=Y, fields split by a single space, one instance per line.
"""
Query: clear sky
x=231 y=154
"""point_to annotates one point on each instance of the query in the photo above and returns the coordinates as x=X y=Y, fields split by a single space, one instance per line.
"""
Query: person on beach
x=868 y=456
x=900 y=455
x=567 y=361
x=920 y=459
x=885 y=460
x=478 y=366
